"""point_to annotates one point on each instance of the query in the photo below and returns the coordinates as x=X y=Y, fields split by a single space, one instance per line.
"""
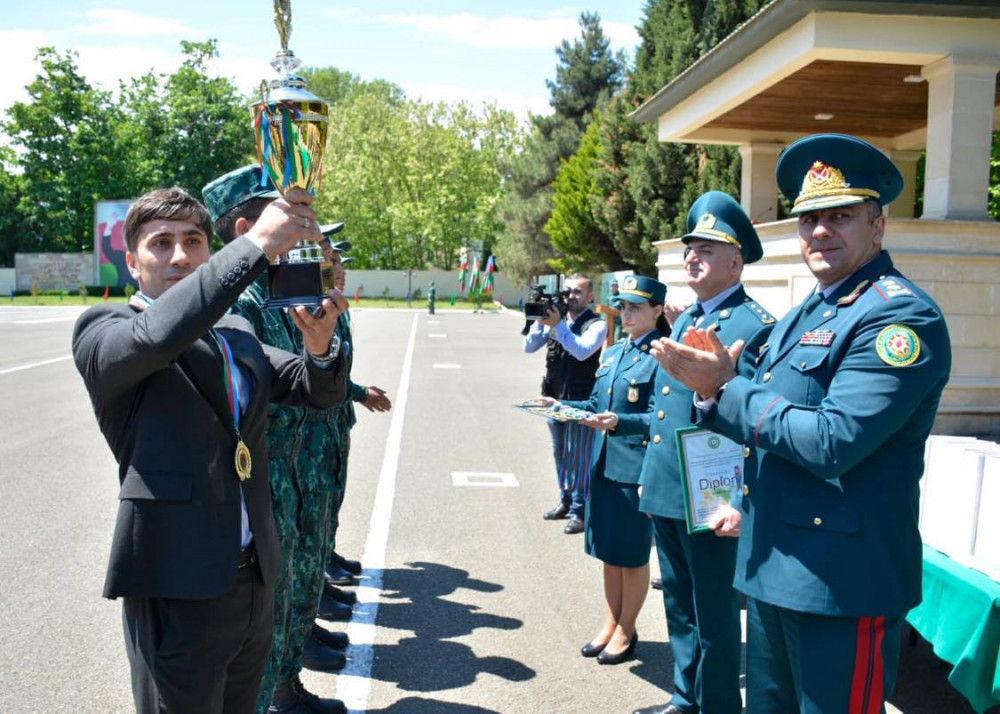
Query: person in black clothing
x=573 y=346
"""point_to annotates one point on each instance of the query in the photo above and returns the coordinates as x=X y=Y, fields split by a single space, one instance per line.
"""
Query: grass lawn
x=398 y=303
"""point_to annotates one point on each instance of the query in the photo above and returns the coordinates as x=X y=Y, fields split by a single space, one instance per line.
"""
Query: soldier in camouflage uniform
x=341 y=571
x=235 y=201
x=318 y=470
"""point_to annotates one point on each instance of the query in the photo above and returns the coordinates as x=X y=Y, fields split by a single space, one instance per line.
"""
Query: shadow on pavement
x=416 y=705
x=428 y=662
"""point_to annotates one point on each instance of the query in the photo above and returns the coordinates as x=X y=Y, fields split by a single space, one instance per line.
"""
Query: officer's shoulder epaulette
x=890 y=287
x=759 y=312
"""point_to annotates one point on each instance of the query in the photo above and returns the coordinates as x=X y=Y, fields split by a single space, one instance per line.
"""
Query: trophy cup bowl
x=290 y=126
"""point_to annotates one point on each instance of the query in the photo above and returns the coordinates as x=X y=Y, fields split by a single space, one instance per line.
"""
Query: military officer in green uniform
x=340 y=570
x=835 y=418
x=616 y=532
x=235 y=201
x=702 y=608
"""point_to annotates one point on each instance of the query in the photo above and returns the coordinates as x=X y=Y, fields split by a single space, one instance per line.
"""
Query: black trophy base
x=291 y=284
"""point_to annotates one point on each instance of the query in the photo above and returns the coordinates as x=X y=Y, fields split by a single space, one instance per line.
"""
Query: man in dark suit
x=835 y=417
x=180 y=393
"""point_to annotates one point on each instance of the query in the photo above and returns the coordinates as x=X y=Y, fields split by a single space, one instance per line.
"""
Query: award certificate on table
x=712 y=473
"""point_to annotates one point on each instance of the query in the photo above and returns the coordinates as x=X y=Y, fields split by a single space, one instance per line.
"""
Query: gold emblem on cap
x=824 y=180
x=629 y=283
x=707 y=220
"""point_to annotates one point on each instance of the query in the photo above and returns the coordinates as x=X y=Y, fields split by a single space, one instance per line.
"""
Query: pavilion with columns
x=908 y=77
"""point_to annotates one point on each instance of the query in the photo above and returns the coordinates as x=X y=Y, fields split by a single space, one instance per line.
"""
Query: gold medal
x=633 y=395
x=243 y=461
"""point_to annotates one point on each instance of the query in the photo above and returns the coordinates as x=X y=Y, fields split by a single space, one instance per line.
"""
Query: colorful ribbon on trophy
x=275 y=123
x=242 y=458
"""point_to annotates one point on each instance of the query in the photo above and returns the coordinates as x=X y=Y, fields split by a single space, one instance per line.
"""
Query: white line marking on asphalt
x=354 y=681
x=36 y=364
x=496 y=479
x=433 y=322
x=41 y=322
x=437 y=334
x=445 y=365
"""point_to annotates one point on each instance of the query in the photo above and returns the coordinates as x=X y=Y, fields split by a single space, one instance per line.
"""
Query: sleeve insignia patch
x=817 y=338
x=898 y=346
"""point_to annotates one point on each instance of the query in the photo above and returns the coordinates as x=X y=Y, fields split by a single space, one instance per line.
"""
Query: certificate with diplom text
x=711 y=472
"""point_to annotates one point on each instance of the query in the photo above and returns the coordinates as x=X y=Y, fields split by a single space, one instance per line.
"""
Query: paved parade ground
x=470 y=602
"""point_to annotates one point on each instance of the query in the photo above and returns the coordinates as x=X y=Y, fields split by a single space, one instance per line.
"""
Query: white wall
x=445 y=282
x=7 y=280
x=54 y=271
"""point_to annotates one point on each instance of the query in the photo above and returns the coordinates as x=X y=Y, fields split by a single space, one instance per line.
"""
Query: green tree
x=648 y=186
x=572 y=227
x=413 y=181
x=186 y=128
x=587 y=74
x=13 y=229
x=65 y=142
x=329 y=83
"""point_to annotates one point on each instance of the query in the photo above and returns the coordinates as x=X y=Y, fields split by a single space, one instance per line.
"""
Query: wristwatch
x=331 y=355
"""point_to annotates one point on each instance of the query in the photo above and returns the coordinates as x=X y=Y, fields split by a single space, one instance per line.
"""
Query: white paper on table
x=940 y=456
x=952 y=503
x=987 y=549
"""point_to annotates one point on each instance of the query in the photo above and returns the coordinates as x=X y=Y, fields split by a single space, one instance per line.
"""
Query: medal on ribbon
x=242 y=460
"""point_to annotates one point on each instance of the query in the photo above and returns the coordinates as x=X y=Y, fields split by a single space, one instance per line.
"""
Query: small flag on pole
x=474 y=286
x=357 y=295
x=488 y=280
x=462 y=273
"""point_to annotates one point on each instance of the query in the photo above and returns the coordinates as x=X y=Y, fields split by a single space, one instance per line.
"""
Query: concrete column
x=906 y=161
x=758 y=189
x=959 y=126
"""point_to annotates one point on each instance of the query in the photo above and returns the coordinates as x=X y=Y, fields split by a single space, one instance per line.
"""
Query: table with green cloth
x=960 y=617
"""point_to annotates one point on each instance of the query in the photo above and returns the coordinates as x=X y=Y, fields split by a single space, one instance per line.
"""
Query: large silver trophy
x=290 y=125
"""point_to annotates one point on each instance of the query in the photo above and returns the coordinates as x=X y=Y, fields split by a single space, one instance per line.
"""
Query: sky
x=472 y=50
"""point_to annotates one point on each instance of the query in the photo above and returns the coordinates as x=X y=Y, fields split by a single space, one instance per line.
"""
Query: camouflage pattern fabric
x=317 y=468
x=284 y=436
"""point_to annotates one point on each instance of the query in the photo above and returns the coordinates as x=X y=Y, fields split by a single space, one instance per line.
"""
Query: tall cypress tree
x=587 y=75
x=647 y=186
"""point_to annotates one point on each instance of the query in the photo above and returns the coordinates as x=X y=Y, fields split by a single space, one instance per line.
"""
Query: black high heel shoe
x=591 y=650
x=606 y=657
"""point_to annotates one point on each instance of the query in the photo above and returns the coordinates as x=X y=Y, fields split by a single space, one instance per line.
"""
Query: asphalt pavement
x=469 y=602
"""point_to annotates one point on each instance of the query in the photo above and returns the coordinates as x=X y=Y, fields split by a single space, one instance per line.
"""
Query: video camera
x=540 y=302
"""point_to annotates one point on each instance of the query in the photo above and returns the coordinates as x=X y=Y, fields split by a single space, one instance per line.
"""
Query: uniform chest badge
x=633 y=395
x=817 y=338
x=898 y=346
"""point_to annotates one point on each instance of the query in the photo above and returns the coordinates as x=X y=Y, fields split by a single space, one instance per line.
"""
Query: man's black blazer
x=155 y=380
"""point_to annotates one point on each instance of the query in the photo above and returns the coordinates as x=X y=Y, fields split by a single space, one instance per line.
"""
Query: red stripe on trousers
x=866 y=684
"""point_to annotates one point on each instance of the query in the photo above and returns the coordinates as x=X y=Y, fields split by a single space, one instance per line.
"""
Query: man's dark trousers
x=159 y=633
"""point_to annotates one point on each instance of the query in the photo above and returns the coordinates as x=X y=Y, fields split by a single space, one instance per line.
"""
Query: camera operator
x=573 y=344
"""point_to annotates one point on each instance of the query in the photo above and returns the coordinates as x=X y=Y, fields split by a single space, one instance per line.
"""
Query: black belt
x=247 y=555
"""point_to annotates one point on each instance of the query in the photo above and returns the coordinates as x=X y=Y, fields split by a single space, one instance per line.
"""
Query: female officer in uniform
x=616 y=532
